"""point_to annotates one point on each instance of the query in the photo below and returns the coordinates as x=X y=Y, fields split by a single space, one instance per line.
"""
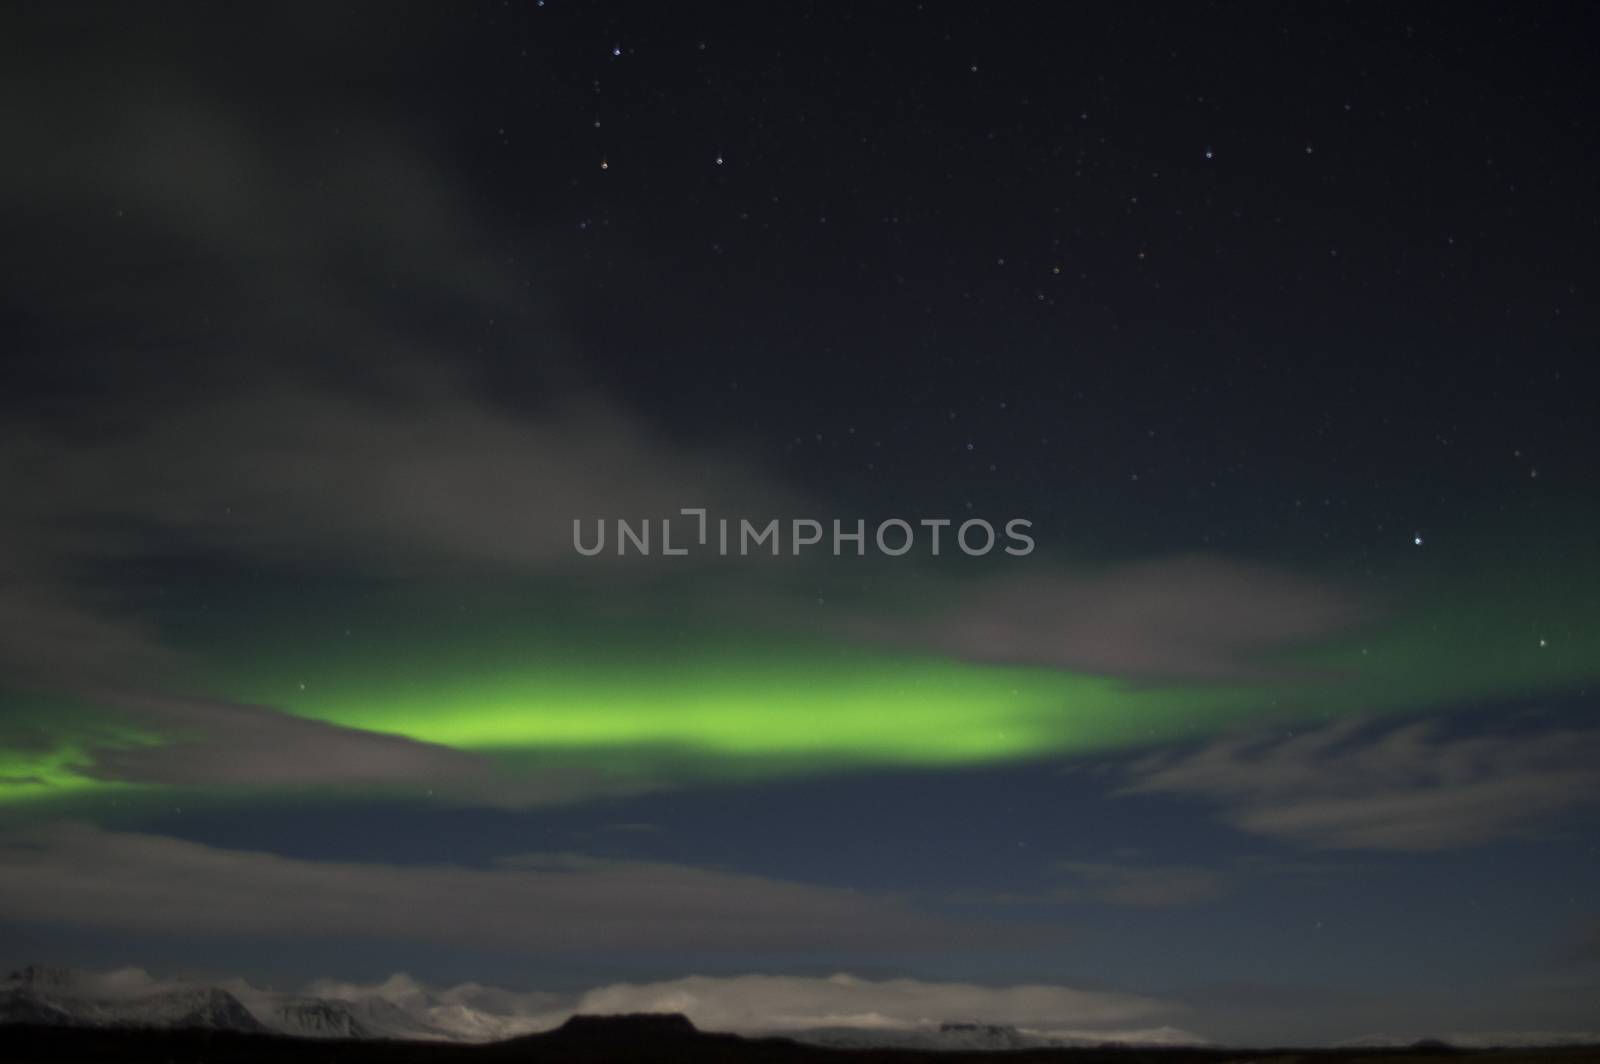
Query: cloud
x=1409 y=788
x=255 y=351
x=255 y=746
x=1182 y=618
x=1139 y=886
x=323 y=422
x=50 y=630
x=778 y=1003
x=167 y=741
x=81 y=875
x=431 y=476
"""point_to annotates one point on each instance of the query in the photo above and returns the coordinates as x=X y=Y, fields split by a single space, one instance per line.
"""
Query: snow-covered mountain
x=402 y=1008
x=399 y=1008
x=316 y=1018
x=118 y=999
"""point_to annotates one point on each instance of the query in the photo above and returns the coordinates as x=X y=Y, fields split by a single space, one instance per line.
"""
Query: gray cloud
x=249 y=438
x=50 y=628
x=440 y=475
x=774 y=1002
x=59 y=874
x=1193 y=618
x=1406 y=788
x=208 y=743
x=256 y=746
x=249 y=349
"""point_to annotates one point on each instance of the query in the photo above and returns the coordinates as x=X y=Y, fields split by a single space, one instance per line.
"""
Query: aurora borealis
x=652 y=697
x=1274 y=326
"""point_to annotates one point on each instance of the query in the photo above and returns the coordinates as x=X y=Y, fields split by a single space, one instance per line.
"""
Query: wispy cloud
x=1186 y=618
x=1412 y=787
x=58 y=873
x=250 y=352
x=231 y=744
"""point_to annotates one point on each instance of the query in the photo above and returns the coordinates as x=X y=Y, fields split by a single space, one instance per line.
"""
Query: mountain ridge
x=400 y=1009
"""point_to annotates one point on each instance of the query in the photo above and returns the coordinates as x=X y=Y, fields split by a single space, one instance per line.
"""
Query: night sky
x=323 y=327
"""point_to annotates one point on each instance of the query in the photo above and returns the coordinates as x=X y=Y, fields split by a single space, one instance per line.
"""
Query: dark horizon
x=212 y=1035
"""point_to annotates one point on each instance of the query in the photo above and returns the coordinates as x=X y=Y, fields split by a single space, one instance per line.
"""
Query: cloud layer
x=778 y=1003
x=1191 y=618
x=58 y=874
x=1411 y=788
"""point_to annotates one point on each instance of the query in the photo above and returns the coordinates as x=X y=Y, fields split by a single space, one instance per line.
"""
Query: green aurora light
x=651 y=698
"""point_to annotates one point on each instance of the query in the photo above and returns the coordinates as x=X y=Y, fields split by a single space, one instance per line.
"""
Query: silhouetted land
x=655 y=1039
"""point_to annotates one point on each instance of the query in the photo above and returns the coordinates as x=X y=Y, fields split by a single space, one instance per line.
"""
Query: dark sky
x=321 y=329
